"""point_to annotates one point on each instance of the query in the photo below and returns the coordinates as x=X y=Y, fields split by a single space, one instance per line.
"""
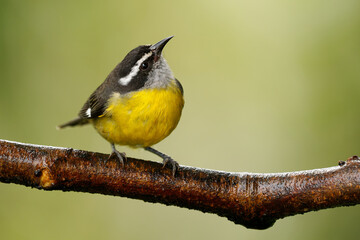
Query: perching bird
x=139 y=103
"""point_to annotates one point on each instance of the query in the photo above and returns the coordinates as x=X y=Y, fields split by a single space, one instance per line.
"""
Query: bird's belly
x=142 y=119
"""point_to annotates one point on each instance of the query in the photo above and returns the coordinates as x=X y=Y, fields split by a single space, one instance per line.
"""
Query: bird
x=138 y=105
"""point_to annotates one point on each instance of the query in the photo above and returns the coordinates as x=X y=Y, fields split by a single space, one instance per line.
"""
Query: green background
x=270 y=86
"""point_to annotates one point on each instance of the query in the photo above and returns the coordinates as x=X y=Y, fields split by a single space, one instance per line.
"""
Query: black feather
x=180 y=86
x=75 y=122
x=97 y=101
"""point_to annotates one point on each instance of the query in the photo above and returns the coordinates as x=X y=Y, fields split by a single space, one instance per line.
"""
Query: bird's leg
x=121 y=155
x=166 y=159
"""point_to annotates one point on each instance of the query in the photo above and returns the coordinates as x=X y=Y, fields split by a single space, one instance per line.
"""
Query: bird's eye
x=144 y=66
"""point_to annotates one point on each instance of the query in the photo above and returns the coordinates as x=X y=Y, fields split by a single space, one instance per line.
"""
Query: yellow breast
x=142 y=118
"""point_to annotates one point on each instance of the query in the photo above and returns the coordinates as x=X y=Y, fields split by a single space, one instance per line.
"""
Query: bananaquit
x=139 y=103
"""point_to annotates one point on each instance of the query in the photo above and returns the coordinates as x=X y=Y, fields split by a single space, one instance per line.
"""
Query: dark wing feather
x=96 y=103
x=180 y=86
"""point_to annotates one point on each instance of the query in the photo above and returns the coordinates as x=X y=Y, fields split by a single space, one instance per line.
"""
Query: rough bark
x=252 y=200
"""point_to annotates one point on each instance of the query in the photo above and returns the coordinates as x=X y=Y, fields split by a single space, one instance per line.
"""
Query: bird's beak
x=158 y=47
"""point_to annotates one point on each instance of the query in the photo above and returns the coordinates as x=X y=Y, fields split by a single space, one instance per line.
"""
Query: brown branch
x=253 y=200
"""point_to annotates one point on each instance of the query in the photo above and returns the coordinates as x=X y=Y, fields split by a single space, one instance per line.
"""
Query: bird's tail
x=75 y=122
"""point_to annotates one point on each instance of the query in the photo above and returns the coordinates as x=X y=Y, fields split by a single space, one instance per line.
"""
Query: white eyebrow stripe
x=134 y=70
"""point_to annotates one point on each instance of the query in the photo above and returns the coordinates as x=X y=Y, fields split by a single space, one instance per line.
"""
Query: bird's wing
x=95 y=106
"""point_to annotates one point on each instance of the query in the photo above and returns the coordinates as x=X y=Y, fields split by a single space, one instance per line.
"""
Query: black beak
x=158 y=47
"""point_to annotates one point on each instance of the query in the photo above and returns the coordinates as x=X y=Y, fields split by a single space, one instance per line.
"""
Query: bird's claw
x=121 y=156
x=173 y=164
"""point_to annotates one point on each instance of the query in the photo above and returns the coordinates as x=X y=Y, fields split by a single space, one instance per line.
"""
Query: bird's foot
x=120 y=155
x=172 y=163
x=167 y=160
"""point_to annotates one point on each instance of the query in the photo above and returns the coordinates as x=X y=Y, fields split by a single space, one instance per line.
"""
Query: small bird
x=138 y=105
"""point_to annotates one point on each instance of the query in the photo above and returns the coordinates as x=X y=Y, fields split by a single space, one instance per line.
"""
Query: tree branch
x=253 y=200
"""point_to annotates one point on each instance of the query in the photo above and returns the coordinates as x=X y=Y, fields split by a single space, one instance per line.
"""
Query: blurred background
x=270 y=86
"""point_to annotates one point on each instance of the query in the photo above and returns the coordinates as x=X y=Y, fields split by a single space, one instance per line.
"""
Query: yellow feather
x=142 y=118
